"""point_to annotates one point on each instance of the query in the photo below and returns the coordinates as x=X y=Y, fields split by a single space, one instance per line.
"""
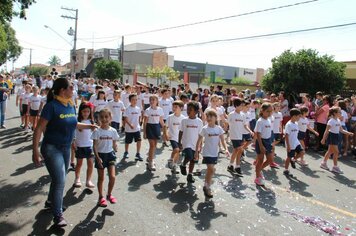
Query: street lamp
x=51 y=29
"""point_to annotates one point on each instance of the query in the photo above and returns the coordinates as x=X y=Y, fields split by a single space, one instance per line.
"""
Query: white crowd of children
x=186 y=127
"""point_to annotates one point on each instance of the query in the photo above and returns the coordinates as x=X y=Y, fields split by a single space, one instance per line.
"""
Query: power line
x=248 y=37
x=209 y=20
x=40 y=46
x=224 y=18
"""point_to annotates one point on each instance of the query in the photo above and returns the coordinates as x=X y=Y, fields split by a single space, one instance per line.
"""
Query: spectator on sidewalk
x=4 y=93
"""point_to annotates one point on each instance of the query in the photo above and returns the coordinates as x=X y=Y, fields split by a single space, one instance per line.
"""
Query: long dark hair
x=83 y=106
x=60 y=83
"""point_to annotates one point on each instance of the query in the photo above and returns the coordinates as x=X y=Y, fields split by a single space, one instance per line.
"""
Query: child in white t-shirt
x=294 y=148
x=211 y=134
x=104 y=149
x=171 y=131
x=83 y=146
x=117 y=107
x=188 y=136
x=276 y=120
x=166 y=104
x=132 y=116
x=99 y=104
x=34 y=103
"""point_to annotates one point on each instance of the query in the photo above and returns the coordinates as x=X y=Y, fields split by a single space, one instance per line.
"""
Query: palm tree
x=54 y=61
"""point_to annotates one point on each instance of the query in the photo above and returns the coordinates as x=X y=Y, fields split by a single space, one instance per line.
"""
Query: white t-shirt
x=191 y=129
x=230 y=109
x=219 y=111
x=253 y=113
x=99 y=105
x=133 y=117
x=237 y=123
x=166 y=105
x=174 y=122
x=116 y=108
x=93 y=98
x=185 y=110
x=292 y=130
x=285 y=109
x=91 y=88
x=146 y=98
x=75 y=96
x=105 y=138
x=49 y=83
x=35 y=102
x=277 y=121
x=303 y=123
x=44 y=100
x=125 y=98
x=264 y=127
x=153 y=115
x=83 y=137
x=211 y=140
x=109 y=94
x=345 y=118
x=334 y=125
x=247 y=122
x=26 y=98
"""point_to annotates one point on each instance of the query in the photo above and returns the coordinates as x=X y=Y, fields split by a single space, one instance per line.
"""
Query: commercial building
x=350 y=73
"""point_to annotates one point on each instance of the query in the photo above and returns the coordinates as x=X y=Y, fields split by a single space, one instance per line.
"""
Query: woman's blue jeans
x=56 y=159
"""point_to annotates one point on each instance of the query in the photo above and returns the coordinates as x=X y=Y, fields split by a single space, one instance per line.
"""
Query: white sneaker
x=337 y=170
x=324 y=166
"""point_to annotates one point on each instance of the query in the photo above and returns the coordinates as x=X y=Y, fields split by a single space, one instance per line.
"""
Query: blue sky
x=113 y=18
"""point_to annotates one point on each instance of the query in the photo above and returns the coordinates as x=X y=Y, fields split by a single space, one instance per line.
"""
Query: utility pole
x=122 y=58
x=30 y=58
x=70 y=32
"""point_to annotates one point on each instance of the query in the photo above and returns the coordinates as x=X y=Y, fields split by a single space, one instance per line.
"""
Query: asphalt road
x=158 y=204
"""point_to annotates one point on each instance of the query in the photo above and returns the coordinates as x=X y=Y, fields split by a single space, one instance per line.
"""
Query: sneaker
x=102 y=202
x=324 y=166
x=190 y=178
x=111 y=199
x=3 y=127
x=302 y=163
x=183 y=169
x=231 y=169
x=27 y=129
x=262 y=176
x=207 y=192
x=259 y=182
x=60 y=222
x=337 y=170
x=137 y=157
x=164 y=144
x=151 y=166
x=170 y=163
x=292 y=163
x=238 y=171
x=174 y=169
x=77 y=183
x=274 y=165
x=89 y=184
x=287 y=173
x=72 y=165
x=126 y=155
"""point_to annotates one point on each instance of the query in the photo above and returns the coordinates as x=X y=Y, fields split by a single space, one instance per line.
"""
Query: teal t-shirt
x=62 y=123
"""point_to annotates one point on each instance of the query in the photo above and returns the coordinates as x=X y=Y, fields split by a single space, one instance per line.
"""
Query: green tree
x=9 y=45
x=240 y=81
x=36 y=71
x=54 y=61
x=11 y=8
x=108 y=69
x=305 y=71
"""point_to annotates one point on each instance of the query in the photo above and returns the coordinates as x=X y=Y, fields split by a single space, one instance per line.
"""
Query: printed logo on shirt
x=176 y=123
x=134 y=113
x=267 y=126
x=213 y=135
x=192 y=126
x=155 y=115
x=238 y=120
x=64 y=116
x=105 y=138
x=294 y=130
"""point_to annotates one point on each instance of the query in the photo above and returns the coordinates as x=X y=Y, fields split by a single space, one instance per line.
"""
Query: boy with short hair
x=190 y=129
x=294 y=148
x=171 y=131
x=166 y=104
x=132 y=116
x=117 y=108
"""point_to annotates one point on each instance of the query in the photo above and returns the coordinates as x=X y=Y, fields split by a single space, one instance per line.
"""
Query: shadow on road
x=205 y=214
x=89 y=225
x=141 y=179
x=267 y=201
x=71 y=198
x=7 y=228
x=344 y=180
x=43 y=221
x=299 y=186
x=24 y=169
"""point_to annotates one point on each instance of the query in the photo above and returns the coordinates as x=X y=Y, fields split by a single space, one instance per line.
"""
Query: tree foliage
x=166 y=71
x=305 y=72
x=54 y=61
x=37 y=71
x=11 y=8
x=240 y=81
x=108 y=69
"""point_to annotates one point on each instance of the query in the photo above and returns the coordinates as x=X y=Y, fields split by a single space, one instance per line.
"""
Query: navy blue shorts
x=145 y=106
x=253 y=124
x=34 y=112
x=84 y=152
x=129 y=137
x=276 y=137
x=210 y=160
x=24 y=109
x=115 y=125
x=236 y=143
x=297 y=150
x=333 y=139
x=174 y=144
x=153 y=131
x=109 y=159
x=246 y=137
x=301 y=135
x=189 y=154
x=267 y=143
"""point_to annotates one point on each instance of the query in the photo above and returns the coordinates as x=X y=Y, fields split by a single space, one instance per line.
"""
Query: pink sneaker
x=274 y=165
x=337 y=170
x=111 y=199
x=324 y=166
x=259 y=182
